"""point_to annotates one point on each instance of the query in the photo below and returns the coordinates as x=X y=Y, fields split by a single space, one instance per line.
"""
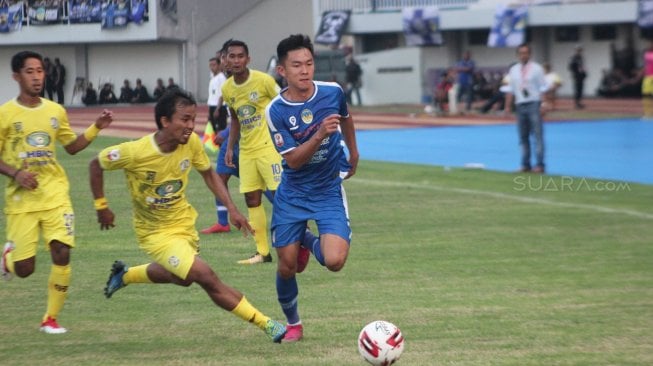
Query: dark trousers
x=578 y=89
x=60 y=98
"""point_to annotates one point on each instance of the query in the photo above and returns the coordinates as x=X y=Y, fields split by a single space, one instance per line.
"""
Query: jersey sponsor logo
x=113 y=155
x=293 y=122
x=307 y=116
x=246 y=111
x=36 y=154
x=278 y=139
x=54 y=122
x=184 y=165
x=168 y=188
x=38 y=139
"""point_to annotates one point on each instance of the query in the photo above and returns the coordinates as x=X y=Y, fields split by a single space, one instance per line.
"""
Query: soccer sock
x=312 y=242
x=223 y=214
x=58 y=283
x=136 y=274
x=259 y=222
x=287 y=292
x=249 y=313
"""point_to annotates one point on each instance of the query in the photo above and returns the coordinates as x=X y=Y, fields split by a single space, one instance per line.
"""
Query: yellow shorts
x=24 y=229
x=175 y=249
x=647 y=85
x=260 y=172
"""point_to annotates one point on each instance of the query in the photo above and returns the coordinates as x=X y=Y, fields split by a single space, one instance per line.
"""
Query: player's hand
x=218 y=139
x=104 y=119
x=241 y=223
x=105 y=218
x=27 y=179
x=353 y=161
x=329 y=125
x=228 y=158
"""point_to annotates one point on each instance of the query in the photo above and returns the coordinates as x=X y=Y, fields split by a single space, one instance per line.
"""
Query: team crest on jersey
x=113 y=155
x=253 y=96
x=174 y=261
x=38 y=139
x=18 y=127
x=307 y=116
x=278 y=139
x=169 y=188
x=246 y=111
x=184 y=165
x=54 y=122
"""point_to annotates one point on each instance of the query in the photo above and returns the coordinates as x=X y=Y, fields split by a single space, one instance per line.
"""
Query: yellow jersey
x=157 y=181
x=27 y=141
x=249 y=100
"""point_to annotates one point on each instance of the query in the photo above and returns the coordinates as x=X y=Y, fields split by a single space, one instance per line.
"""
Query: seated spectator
x=126 y=93
x=498 y=97
x=553 y=83
x=171 y=84
x=159 y=89
x=441 y=92
x=140 y=93
x=107 y=96
x=90 y=95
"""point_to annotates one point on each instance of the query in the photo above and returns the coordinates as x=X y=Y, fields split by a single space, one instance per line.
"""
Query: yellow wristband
x=91 y=132
x=101 y=203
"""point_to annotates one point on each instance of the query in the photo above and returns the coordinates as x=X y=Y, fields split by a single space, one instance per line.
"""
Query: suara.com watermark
x=541 y=183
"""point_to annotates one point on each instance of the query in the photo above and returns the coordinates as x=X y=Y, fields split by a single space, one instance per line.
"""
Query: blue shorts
x=220 y=166
x=291 y=213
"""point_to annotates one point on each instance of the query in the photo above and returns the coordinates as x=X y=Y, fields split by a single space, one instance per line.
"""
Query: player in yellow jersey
x=247 y=92
x=157 y=168
x=37 y=201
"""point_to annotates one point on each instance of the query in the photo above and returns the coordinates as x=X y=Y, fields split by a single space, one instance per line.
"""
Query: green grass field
x=475 y=267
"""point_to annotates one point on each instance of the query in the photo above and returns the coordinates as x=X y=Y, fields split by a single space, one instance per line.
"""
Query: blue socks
x=223 y=214
x=312 y=242
x=287 y=292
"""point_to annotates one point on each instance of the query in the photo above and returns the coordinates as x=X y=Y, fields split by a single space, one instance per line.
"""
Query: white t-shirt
x=215 y=89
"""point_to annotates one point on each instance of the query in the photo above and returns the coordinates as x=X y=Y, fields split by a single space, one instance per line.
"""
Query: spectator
x=499 y=95
x=171 y=84
x=577 y=68
x=647 y=83
x=60 y=79
x=126 y=92
x=353 y=73
x=140 y=94
x=553 y=83
x=465 y=69
x=159 y=89
x=90 y=95
x=50 y=77
x=217 y=110
x=441 y=92
x=107 y=96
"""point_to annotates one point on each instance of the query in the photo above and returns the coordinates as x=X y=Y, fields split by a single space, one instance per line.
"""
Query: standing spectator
x=90 y=95
x=126 y=92
x=577 y=68
x=60 y=79
x=140 y=94
x=465 y=69
x=526 y=80
x=50 y=78
x=553 y=83
x=647 y=83
x=247 y=93
x=314 y=166
x=217 y=110
x=159 y=89
x=37 y=198
x=353 y=73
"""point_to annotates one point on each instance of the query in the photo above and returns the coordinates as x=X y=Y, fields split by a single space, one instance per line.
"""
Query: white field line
x=539 y=201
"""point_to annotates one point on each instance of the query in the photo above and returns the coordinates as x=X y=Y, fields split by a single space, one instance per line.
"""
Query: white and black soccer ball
x=380 y=343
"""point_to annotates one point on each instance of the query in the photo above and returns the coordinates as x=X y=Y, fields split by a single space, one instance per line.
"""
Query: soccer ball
x=380 y=343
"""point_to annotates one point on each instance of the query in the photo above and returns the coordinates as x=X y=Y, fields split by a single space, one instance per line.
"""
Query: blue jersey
x=293 y=123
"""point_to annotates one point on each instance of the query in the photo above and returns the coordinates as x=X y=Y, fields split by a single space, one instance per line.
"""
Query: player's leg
x=19 y=254
x=252 y=185
x=224 y=172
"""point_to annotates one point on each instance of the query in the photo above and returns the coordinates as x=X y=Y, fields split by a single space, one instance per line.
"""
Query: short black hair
x=226 y=45
x=166 y=106
x=292 y=43
x=237 y=43
x=18 y=61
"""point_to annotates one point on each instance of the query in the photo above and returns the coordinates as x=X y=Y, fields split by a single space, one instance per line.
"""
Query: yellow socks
x=249 y=313
x=58 y=283
x=259 y=222
x=136 y=274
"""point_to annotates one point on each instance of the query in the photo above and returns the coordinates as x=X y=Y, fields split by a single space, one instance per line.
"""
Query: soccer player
x=37 y=201
x=247 y=93
x=310 y=124
x=157 y=168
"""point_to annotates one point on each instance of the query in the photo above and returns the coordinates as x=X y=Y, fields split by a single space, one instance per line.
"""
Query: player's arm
x=234 y=135
x=104 y=214
x=302 y=154
x=23 y=178
x=102 y=121
x=349 y=135
x=219 y=190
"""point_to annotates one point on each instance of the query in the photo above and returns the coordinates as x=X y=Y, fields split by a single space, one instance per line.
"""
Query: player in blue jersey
x=310 y=124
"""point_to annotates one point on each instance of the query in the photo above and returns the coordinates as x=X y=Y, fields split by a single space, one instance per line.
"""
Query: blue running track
x=619 y=150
